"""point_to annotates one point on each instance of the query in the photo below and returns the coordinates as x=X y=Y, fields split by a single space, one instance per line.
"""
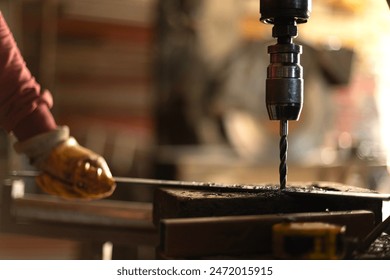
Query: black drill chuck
x=284 y=84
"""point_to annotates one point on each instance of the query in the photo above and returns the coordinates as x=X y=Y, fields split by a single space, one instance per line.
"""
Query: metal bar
x=158 y=182
x=245 y=235
x=303 y=189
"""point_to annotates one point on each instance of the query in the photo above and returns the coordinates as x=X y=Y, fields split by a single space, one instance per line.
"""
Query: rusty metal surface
x=174 y=203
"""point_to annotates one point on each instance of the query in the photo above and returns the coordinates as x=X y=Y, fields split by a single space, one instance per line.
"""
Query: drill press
x=284 y=84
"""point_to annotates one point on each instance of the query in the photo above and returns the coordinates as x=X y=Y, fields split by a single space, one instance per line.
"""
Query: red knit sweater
x=24 y=108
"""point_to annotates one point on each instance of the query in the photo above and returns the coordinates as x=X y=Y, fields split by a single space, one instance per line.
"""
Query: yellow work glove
x=68 y=169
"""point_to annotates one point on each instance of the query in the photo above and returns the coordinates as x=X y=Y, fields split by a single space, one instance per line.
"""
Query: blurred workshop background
x=174 y=89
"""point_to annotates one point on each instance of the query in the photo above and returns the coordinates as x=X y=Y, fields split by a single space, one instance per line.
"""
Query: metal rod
x=305 y=189
x=158 y=182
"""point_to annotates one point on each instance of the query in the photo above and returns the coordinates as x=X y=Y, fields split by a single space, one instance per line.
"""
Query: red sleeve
x=24 y=108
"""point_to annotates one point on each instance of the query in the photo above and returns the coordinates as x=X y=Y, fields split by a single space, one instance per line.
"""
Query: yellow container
x=308 y=240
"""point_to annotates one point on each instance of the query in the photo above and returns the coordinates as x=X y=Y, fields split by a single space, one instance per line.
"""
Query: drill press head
x=284 y=84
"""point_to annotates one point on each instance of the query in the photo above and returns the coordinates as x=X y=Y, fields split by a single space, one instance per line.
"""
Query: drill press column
x=284 y=84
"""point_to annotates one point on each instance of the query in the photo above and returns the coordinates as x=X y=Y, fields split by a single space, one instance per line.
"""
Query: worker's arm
x=24 y=108
x=68 y=170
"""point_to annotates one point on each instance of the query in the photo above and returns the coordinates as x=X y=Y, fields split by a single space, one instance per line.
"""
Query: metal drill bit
x=283 y=146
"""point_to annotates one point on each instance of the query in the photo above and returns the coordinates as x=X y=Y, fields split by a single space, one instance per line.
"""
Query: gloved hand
x=68 y=169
